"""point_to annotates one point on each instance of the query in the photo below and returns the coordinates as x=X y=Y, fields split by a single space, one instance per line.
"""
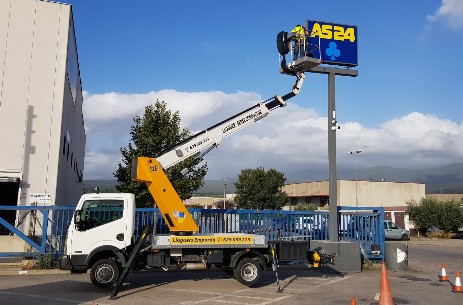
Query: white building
x=42 y=136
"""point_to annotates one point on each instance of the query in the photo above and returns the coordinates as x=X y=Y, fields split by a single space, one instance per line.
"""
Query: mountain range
x=445 y=179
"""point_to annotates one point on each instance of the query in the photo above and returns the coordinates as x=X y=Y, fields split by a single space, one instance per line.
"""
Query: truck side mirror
x=77 y=218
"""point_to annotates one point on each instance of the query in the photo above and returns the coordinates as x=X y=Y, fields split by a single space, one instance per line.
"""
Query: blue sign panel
x=338 y=43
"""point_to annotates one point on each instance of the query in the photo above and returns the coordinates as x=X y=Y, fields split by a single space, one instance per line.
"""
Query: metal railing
x=44 y=228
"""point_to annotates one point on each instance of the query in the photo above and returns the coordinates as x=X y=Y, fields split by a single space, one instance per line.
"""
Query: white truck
x=101 y=233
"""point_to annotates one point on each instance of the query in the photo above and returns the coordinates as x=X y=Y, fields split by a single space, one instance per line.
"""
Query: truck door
x=102 y=222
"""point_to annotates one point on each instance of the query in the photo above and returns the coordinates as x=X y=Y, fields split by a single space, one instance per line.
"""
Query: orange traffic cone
x=457 y=287
x=385 y=296
x=353 y=302
x=443 y=274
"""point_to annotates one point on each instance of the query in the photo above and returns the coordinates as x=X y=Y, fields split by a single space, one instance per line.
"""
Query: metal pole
x=356 y=184
x=224 y=192
x=332 y=127
x=356 y=178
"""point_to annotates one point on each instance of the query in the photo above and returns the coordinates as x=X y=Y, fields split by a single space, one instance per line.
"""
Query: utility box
x=346 y=254
x=292 y=250
x=396 y=255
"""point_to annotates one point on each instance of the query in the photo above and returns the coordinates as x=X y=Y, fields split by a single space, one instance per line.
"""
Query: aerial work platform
x=303 y=54
x=300 y=65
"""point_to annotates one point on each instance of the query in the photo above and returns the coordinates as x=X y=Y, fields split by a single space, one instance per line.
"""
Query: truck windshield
x=99 y=212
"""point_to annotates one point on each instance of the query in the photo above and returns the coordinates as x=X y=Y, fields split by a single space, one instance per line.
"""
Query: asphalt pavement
x=299 y=285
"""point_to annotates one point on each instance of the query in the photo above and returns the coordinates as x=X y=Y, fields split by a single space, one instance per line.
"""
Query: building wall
x=37 y=109
x=366 y=193
x=307 y=188
x=375 y=193
x=392 y=196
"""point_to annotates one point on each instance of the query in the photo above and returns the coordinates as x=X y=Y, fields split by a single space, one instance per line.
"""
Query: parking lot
x=418 y=285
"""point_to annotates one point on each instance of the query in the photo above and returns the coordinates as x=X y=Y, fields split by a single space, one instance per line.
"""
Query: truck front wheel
x=104 y=273
x=248 y=272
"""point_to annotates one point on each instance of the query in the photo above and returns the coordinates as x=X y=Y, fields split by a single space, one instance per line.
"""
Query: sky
x=209 y=60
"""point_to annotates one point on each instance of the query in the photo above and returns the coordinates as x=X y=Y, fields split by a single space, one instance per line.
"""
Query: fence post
x=43 y=248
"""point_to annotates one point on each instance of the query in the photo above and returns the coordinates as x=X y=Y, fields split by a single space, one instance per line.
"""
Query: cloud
x=450 y=12
x=101 y=111
x=290 y=139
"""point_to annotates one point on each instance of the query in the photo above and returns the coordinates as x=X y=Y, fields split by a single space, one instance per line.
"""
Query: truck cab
x=102 y=223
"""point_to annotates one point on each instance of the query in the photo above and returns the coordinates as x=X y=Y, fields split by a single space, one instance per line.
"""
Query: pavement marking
x=217 y=297
x=301 y=284
x=49 y=298
x=296 y=282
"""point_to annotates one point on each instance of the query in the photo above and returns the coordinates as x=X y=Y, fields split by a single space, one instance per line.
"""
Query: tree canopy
x=157 y=131
x=258 y=189
x=429 y=212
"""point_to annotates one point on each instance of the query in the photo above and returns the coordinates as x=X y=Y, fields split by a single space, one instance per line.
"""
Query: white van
x=392 y=231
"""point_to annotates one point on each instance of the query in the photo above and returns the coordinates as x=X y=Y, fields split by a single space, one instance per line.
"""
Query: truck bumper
x=76 y=263
x=64 y=263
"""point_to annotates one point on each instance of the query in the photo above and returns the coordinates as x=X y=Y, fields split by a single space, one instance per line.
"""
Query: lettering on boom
x=200 y=142
x=229 y=127
x=251 y=116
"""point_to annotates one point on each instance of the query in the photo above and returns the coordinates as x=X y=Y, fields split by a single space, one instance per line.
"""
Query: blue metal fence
x=362 y=225
x=42 y=228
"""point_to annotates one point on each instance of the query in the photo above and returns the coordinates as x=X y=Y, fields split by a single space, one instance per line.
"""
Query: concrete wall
x=316 y=188
x=38 y=113
x=12 y=244
x=361 y=193
x=375 y=193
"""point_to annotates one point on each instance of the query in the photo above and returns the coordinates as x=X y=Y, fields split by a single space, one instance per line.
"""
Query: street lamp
x=355 y=168
x=224 y=192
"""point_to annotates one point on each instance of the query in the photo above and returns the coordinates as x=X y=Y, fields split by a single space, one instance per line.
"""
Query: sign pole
x=332 y=128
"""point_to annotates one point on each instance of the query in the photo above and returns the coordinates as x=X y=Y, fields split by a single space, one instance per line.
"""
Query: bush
x=45 y=261
x=429 y=212
x=306 y=207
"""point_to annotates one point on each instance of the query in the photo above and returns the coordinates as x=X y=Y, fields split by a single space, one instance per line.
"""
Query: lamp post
x=355 y=168
x=224 y=192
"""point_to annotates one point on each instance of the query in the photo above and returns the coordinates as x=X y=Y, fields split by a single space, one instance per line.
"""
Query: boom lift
x=100 y=235
x=149 y=170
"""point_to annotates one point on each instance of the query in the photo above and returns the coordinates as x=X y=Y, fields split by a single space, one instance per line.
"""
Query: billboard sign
x=338 y=42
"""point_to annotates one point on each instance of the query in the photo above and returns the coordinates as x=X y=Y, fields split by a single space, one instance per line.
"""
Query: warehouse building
x=42 y=133
x=392 y=196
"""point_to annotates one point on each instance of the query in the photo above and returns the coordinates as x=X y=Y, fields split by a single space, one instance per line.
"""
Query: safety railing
x=44 y=228
x=362 y=225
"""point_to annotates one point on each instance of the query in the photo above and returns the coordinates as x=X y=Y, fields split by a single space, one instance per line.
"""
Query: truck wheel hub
x=104 y=274
x=249 y=272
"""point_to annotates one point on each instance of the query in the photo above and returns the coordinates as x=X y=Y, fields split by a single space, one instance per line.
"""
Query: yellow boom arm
x=173 y=210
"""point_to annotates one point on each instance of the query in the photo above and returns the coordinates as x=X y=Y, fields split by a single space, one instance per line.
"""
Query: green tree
x=258 y=189
x=452 y=216
x=425 y=213
x=429 y=212
x=151 y=135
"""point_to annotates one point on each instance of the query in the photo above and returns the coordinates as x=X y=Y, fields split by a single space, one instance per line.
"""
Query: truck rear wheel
x=104 y=273
x=248 y=272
